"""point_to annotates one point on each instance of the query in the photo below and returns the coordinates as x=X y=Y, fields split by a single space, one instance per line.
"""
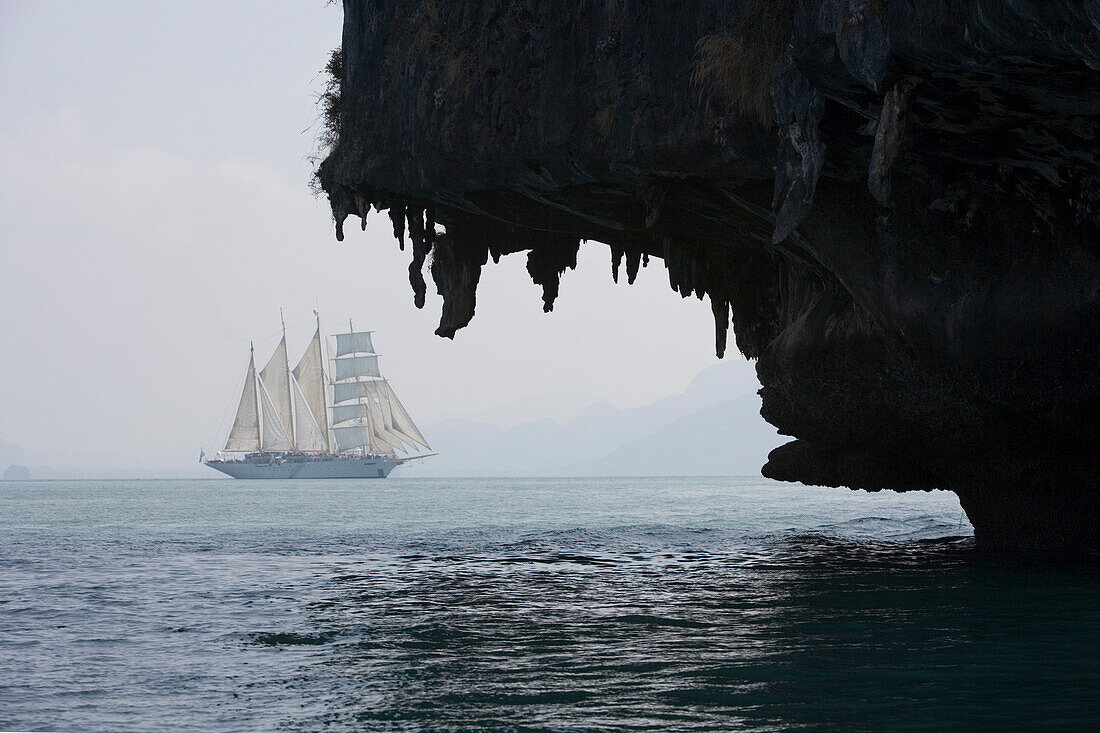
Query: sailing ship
x=311 y=422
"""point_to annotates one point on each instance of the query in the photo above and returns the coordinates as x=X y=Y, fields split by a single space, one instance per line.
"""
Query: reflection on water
x=805 y=631
x=694 y=620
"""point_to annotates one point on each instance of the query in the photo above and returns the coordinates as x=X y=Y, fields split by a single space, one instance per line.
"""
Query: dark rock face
x=897 y=206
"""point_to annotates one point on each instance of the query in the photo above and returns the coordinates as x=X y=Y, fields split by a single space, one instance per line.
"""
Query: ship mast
x=256 y=387
x=324 y=392
x=289 y=388
x=359 y=392
x=310 y=403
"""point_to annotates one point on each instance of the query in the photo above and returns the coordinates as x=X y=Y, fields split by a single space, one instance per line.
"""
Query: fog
x=155 y=215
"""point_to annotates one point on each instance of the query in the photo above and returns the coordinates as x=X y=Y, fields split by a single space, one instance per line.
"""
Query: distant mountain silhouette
x=15 y=472
x=713 y=427
x=728 y=439
x=58 y=464
x=561 y=407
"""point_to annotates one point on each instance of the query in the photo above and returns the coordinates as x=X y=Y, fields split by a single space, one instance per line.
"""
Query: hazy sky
x=155 y=215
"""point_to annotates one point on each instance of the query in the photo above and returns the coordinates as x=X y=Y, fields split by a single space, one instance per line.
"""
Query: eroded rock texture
x=896 y=205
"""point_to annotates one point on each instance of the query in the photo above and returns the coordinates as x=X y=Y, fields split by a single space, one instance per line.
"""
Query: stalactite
x=415 y=219
x=616 y=260
x=687 y=262
x=546 y=263
x=720 y=307
x=421 y=246
x=633 y=260
x=456 y=269
x=678 y=262
x=397 y=216
x=362 y=207
x=341 y=207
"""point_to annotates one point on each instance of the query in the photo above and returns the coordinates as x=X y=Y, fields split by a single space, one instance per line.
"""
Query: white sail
x=276 y=379
x=245 y=433
x=285 y=410
x=370 y=413
x=355 y=366
x=377 y=445
x=273 y=435
x=308 y=432
x=344 y=391
x=395 y=418
x=380 y=427
x=343 y=413
x=311 y=378
x=351 y=343
x=399 y=439
x=401 y=418
x=349 y=437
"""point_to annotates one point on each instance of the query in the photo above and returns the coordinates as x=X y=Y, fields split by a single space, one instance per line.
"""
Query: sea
x=610 y=604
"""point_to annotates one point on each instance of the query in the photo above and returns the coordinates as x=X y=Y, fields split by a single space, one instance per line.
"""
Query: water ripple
x=837 y=616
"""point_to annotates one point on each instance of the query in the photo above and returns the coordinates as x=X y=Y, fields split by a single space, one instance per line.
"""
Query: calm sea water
x=566 y=605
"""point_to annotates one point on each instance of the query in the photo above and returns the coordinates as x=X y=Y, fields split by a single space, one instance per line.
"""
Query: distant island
x=15 y=472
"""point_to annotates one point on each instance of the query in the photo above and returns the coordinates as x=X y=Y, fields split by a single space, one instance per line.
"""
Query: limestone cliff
x=895 y=204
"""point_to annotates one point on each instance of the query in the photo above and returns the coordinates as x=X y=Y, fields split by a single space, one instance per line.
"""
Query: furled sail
x=245 y=434
x=274 y=433
x=355 y=366
x=351 y=343
x=311 y=379
x=276 y=379
x=308 y=432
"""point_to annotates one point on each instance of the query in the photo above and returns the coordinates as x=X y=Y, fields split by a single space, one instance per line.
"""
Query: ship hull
x=312 y=469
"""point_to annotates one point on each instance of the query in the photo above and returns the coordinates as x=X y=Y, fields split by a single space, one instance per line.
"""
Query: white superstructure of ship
x=331 y=416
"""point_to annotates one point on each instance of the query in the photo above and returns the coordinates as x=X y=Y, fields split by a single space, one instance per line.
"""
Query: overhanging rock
x=895 y=205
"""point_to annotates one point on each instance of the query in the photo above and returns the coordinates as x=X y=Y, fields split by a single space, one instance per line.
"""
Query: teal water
x=549 y=604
